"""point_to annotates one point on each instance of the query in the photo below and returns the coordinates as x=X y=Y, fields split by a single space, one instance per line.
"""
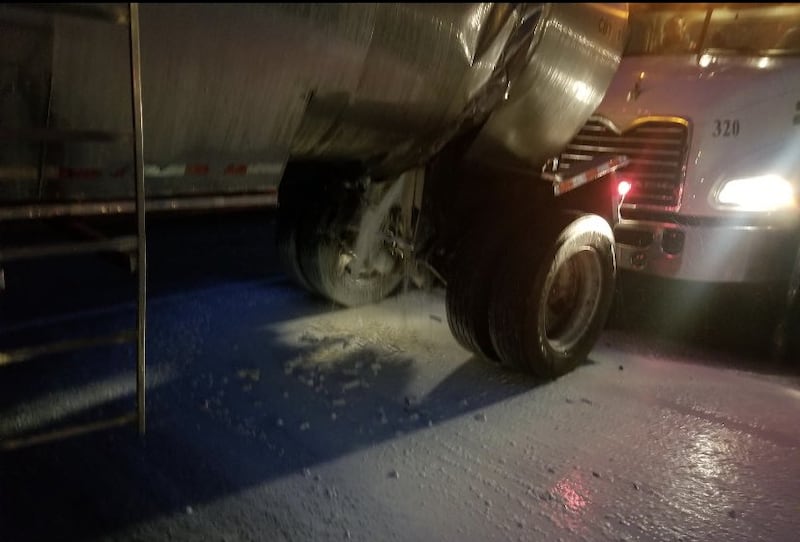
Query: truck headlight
x=762 y=193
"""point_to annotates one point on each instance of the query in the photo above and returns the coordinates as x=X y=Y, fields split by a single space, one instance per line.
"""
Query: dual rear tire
x=540 y=304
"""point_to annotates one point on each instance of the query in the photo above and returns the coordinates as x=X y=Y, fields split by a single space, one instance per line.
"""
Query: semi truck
x=341 y=114
x=706 y=104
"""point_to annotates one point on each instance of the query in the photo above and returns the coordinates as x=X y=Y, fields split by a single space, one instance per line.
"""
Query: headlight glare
x=762 y=193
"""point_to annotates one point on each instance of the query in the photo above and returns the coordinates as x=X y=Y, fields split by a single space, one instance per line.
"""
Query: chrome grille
x=657 y=153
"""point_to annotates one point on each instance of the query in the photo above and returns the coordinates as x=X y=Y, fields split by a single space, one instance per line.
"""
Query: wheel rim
x=380 y=265
x=380 y=262
x=573 y=293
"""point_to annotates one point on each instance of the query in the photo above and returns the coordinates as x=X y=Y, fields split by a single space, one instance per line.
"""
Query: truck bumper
x=708 y=252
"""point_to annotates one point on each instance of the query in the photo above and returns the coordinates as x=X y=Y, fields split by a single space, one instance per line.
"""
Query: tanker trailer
x=345 y=112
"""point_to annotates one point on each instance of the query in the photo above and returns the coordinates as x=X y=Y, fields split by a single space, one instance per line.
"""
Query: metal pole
x=138 y=165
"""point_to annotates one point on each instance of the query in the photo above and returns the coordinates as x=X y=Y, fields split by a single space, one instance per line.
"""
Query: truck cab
x=706 y=104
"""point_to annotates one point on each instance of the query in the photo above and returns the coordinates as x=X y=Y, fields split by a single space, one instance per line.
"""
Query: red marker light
x=623 y=188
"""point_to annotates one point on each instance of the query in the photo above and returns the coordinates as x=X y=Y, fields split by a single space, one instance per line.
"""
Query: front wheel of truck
x=553 y=294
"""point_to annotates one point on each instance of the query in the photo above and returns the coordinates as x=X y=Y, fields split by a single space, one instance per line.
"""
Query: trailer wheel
x=287 y=224
x=326 y=255
x=467 y=298
x=292 y=211
x=467 y=302
x=550 y=304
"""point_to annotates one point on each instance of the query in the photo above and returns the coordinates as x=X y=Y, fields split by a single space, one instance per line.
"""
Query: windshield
x=764 y=29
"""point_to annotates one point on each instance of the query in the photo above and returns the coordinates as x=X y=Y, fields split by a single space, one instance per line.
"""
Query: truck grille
x=657 y=153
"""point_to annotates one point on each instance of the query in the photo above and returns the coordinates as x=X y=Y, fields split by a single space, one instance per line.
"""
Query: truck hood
x=678 y=85
x=760 y=94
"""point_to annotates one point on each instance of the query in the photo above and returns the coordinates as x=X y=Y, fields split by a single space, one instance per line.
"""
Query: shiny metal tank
x=384 y=84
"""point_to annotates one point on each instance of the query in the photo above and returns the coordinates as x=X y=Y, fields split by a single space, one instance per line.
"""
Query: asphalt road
x=274 y=416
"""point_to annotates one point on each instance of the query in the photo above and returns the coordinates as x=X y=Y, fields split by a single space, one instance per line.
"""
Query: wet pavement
x=274 y=416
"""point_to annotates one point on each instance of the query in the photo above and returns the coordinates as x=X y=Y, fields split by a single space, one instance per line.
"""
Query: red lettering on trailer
x=196 y=169
x=236 y=169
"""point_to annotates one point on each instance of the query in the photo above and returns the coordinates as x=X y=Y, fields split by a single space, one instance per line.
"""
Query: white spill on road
x=409 y=438
x=298 y=421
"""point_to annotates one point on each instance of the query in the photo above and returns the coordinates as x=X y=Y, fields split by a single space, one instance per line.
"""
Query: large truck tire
x=551 y=300
x=293 y=210
x=287 y=224
x=470 y=275
x=467 y=299
x=324 y=247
